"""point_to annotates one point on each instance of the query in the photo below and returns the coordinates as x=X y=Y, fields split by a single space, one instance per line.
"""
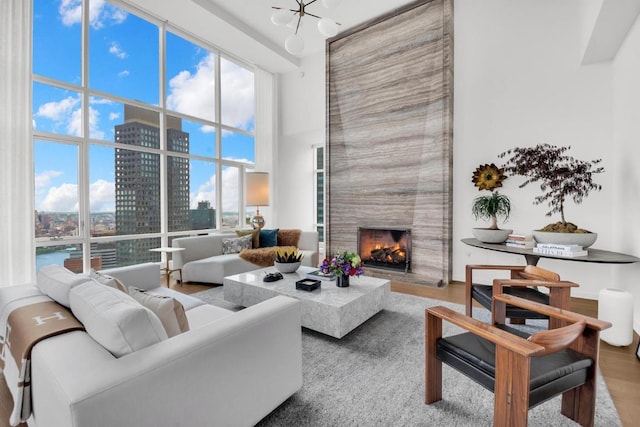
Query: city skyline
x=121 y=49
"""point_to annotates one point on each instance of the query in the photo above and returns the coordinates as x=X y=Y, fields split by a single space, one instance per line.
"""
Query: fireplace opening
x=388 y=248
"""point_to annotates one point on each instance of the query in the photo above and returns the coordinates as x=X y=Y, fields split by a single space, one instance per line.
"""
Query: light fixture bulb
x=327 y=27
x=331 y=3
x=281 y=17
x=294 y=44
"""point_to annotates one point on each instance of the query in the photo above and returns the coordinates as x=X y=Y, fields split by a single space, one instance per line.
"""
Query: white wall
x=302 y=125
x=626 y=153
x=518 y=82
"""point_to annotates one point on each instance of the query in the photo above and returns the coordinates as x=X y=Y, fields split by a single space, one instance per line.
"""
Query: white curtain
x=266 y=155
x=17 y=257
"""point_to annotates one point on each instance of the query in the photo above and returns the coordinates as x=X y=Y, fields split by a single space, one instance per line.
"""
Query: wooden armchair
x=521 y=373
x=522 y=284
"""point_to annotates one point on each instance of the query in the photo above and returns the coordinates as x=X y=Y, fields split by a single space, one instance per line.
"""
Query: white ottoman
x=616 y=306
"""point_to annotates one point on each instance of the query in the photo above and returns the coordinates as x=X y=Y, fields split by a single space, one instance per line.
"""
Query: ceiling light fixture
x=293 y=18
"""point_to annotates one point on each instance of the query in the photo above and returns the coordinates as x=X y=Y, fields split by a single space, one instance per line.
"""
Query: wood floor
x=619 y=365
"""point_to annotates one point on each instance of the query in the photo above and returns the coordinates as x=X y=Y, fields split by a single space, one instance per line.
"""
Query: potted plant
x=287 y=260
x=343 y=265
x=561 y=177
x=492 y=206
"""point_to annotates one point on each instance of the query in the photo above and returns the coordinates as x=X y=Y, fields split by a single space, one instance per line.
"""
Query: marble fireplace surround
x=390 y=135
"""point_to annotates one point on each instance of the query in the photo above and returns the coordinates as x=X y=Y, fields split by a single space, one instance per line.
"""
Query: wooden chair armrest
x=527 y=282
x=491 y=333
x=554 y=340
x=550 y=311
x=495 y=267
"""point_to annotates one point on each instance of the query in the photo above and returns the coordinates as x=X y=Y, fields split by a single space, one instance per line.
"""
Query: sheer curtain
x=17 y=260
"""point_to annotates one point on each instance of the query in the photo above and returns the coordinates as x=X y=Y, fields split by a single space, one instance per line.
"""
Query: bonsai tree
x=560 y=177
x=490 y=177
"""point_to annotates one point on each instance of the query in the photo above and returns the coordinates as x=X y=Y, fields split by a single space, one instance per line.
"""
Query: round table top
x=594 y=255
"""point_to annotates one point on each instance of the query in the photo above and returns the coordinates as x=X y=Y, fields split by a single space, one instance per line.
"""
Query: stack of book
x=319 y=275
x=560 y=250
x=522 y=241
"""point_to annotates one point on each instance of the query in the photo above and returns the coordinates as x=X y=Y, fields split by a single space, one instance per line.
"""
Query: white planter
x=581 y=239
x=487 y=235
x=287 y=267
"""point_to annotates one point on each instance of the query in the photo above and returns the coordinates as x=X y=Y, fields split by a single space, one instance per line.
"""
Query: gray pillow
x=237 y=244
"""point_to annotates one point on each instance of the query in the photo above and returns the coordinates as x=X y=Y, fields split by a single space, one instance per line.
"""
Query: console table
x=594 y=255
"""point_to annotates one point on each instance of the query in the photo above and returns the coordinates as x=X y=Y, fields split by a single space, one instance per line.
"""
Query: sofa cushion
x=205 y=314
x=114 y=319
x=187 y=301
x=236 y=244
x=255 y=236
x=289 y=237
x=268 y=238
x=107 y=280
x=56 y=281
x=169 y=310
x=264 y=257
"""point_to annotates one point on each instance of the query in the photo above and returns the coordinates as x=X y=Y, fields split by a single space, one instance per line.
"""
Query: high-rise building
x=204 y=217
x=138 y=183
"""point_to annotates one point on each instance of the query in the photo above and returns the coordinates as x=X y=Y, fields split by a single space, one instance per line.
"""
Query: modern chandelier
x=292 y=18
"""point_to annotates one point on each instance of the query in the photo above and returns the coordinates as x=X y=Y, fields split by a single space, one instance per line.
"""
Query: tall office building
x=138 y=183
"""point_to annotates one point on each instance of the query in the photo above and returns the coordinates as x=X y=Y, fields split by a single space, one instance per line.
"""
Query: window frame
x=85 y=142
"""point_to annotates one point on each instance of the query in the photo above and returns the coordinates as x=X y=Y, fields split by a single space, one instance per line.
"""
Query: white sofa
x=203 y=260
x=229 y=369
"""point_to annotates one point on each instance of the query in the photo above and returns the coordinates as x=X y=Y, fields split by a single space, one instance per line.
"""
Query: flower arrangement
x=345 y=263
x=490 y=177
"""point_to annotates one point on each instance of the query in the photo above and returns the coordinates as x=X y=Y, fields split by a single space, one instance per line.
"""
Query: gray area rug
x=375 y=377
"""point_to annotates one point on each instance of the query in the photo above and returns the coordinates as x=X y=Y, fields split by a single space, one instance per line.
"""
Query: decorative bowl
x=487 y=235
x=286 y=267
x=581 y=239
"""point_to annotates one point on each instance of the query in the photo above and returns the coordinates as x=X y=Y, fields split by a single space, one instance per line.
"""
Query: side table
x=167 y=269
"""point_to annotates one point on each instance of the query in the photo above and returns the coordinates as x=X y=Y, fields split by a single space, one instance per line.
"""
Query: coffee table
x=330 y=310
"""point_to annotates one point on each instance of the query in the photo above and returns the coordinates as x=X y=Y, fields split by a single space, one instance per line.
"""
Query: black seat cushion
x=550 y=375
x=484 y=293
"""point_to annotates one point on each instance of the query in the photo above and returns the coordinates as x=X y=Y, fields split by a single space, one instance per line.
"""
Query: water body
x=51 y=258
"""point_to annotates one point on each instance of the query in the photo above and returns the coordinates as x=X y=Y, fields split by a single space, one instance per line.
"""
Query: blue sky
x=123 y=61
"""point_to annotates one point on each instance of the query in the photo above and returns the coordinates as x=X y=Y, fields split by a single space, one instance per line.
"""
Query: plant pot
x=487 y=235
x=286 y=267
x=581 y=239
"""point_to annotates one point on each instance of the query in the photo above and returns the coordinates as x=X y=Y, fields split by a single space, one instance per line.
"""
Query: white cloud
x=123 y=73
x=74 y=125
x=103 y=196
x=206 y=191
x=100 y=13
x=61 y=199
x=194 y=94
x=117 y=51
x=207 y=129
x=94 y=122
x=238 y=95
x=58 y=110
x=65 y=197
x=114 y=116
x=43 y=179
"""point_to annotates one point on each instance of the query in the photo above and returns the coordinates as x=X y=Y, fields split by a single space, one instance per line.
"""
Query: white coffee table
x=330 y=310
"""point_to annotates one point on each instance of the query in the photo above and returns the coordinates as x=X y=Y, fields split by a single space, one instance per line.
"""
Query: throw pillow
x=268 y=238
x=255 y=236
x=289 y=237
x=114 y=319
x=55 y=281
x=235 y=245
x=107 y=280
x=169 y=310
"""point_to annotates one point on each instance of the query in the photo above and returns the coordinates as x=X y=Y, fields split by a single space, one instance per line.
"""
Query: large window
x=131 y=152
x=318 y=161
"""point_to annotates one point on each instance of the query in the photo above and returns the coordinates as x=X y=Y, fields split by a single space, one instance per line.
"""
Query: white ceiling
x=244 y=28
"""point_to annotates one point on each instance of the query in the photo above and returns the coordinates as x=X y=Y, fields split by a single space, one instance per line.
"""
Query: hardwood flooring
x=619 y=365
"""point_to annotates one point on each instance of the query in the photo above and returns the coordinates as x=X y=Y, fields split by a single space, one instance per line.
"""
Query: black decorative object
x=342 y=280
x=307 y=284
